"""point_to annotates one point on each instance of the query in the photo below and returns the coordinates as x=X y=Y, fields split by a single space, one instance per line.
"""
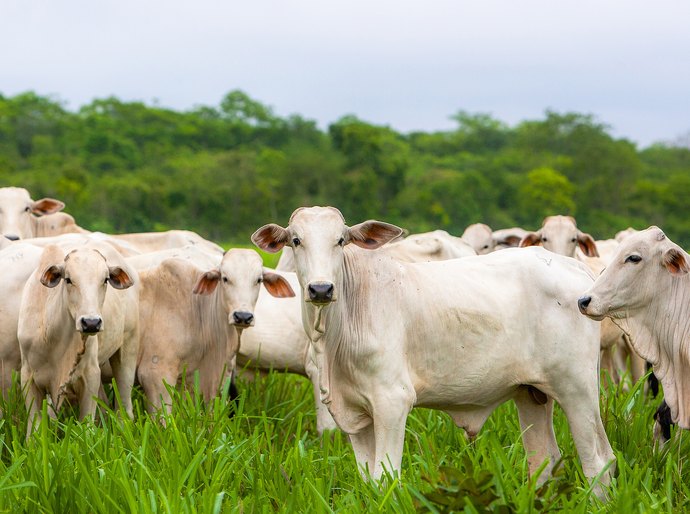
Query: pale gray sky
x=406 y=64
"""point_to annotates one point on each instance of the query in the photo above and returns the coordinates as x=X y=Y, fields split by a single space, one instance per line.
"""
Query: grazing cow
x=78 y=311
x=645 y=289
x=463 y=336
x=19 y=214
x=483 y=240
x=188 y=323
x=560 y=234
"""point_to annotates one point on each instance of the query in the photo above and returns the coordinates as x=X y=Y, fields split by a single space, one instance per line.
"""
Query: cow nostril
x=12 y=237
x=91 y=325
x=242 y=318
x=584 y=302
x=321 y=292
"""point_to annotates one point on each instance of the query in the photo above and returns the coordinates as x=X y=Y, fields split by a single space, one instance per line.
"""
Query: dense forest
x=225 y=170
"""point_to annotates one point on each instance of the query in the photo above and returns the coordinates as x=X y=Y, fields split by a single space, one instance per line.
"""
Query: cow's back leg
x=535 y=412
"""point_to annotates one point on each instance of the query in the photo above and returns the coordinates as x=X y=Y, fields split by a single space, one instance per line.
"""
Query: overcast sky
x=406 y=64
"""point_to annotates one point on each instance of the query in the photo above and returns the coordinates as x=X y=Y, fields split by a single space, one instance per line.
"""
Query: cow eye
x=544 y=240
x=573 y=240
x=485 y=247
x=259 y=280
x=633 y=258
x=296 y=241
x=341 y=241
x=225 y=279
x=27 y=209
x=68 y=280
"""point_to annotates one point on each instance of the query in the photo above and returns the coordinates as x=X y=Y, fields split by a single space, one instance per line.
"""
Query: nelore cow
x=191 y=313
x=560 y=234
x=23 y=218
x=462 y=336
x=78 y=310
x=483 y=240
x=646 y=290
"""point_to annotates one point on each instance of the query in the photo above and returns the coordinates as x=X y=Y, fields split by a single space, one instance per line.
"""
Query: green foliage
x=225 y=170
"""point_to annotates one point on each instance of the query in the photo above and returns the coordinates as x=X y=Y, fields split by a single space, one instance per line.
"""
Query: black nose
x=91 y=325
x=321 y=292
x=242 y=318
x=12 y=237
x=583 y=302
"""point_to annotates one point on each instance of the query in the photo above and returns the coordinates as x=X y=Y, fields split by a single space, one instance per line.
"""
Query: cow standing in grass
x=462 y=336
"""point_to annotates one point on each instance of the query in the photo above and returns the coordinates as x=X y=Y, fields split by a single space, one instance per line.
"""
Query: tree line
x=225 y=170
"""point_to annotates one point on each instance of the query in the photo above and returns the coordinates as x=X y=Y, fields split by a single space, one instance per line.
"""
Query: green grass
x=268 y=458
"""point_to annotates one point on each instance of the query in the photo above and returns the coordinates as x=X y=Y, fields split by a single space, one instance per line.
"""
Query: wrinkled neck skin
x=660 y=333
x=328 y=326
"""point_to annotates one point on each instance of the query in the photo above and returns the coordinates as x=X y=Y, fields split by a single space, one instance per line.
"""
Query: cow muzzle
x=321 y=292
x=12 y=237
x=242 y=319
x=90 y=325
x=586 y=308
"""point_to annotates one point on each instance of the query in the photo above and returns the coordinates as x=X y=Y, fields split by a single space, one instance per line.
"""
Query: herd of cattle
x=379 y=323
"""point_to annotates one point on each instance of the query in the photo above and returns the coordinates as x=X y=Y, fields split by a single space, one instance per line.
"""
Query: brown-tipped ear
x=119 y=278
x=46 y=206
x=207 y=282
x=675 y=262
x=531 y=239
x=587 y=244
x=270 y=238
x=52 y=275
x=509 y=240
x=372 y=234
x=277 y=285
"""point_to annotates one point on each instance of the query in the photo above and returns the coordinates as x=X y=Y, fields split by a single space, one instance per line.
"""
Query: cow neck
x=660 y=334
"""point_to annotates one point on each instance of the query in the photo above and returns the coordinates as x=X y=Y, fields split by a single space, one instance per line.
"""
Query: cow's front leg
x=390 y=415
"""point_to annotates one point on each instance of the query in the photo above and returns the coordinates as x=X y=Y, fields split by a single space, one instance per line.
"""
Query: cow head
x=240 y=275
x=18 y=212
x=645 y=261
x=559 y=234
x=317 y=236
x=84 y=274
x=480 y=237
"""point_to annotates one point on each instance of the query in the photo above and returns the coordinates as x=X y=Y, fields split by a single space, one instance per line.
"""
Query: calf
x=191 y=318
x=463 y=336
x=78 y=311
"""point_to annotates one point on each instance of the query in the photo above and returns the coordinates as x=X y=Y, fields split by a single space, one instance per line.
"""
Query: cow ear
x=372 y=234
x=46 y=206
x=52 y=275
x=119 y=278
x=587 y=244
x=270 y=238
x=675 y=262
x=531 y=239
x=207 y=282
x=508 y=240
x=277 y=285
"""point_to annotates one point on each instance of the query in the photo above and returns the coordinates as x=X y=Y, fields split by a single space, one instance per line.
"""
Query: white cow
x=462 y=336
x=78 y=311
x=483 y=240
x=646 y=290
x=19 y=215
x=560 y=234
x=188 y=322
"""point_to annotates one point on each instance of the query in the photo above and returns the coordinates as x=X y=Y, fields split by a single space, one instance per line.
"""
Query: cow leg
x=153 y=382
x=581 y=407
x=33 y=398
x=364 y=446
x=536 y=424
x=390 y=416
x=124 y=368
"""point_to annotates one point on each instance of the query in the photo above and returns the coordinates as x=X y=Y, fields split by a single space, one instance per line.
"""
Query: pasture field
x=268 y=458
